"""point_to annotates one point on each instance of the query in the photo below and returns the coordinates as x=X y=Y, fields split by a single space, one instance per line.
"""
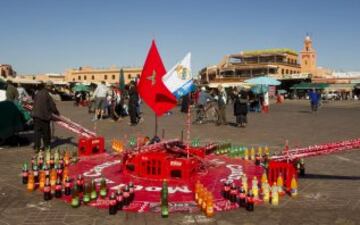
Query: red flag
x=151 y=87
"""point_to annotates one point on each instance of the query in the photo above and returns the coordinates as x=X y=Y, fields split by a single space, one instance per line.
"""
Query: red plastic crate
x=90 y=146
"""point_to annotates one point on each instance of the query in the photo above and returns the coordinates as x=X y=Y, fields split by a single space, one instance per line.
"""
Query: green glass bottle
x=103 y=188
x=75 y=199
x=56 y=156
x=87 y=193
x=93 y=194
x=164 y=200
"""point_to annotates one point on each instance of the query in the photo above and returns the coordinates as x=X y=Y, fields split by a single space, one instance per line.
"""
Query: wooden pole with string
x=188 y=127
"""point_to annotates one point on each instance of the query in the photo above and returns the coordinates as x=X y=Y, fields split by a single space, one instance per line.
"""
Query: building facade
x=54 y=77
x=6 y=71
x=245 y=65
x=95 y=75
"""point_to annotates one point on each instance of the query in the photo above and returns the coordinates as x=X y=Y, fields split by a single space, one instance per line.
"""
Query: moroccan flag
x=151 y=87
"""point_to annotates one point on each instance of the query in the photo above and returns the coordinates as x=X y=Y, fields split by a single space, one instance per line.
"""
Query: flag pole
x=188 y=127
x=156 y=125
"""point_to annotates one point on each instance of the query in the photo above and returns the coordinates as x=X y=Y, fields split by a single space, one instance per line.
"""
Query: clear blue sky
x=52 y=35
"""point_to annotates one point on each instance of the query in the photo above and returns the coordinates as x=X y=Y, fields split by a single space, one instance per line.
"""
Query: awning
x=229 y=84
x=340 y=87
x=308 y=86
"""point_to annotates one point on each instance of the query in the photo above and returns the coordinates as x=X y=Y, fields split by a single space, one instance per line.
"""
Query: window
x=79 y=77
x=307 y=49
x=113 y=77
x=287 y=71
x=92 y=77
x=85 y=77
x=305 y=62
x=129 y=76
x=73 y=79
x=105 y=77
x=138 y=75
x=282 y=71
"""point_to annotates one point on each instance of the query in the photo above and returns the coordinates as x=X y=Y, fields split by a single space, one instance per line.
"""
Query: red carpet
x=181 y=196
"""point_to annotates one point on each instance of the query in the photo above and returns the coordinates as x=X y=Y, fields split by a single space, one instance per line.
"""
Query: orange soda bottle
x=210 y=206
x=31 y=182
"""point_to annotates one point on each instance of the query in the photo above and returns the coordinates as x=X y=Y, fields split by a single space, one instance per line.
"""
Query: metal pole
x=156 y=125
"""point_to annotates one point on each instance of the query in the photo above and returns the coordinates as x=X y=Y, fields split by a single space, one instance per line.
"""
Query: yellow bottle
x=244 y=182
x=246 y=154
x=267 y=150
x=255 y=187
x=274 y=195
x=252 y=153
x=266 y=192
x=280 y=184
x=264 y=178
x=294 y=187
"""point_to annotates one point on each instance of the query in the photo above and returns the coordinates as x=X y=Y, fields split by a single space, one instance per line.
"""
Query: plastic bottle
x=244 y=183
x=274 y=195
x=103 y=188
x=87 y=193
x=255 y=188
x=31 y=183
x=252 y=153
x=250 y=201
x=119 y=199
x=164 y=200
x=210 y=206
x=93 y=194
x=25 y=174
x=58 y=188
x=47 y=190
x=280 y=184
x=293 y=187
x=241 y=199
x=112 y=204
x=75 y=199
x=233 y=193
x=80 y=183
x=67 y=186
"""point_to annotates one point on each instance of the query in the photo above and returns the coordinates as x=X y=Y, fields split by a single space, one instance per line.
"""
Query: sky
x=44 y=36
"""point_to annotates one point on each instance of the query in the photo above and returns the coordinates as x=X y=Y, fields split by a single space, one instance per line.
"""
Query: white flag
x=179 y=79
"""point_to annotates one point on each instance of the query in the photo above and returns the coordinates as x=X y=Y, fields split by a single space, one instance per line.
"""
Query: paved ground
x=330 y=194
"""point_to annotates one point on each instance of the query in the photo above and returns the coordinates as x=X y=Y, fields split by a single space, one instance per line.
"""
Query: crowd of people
x=112 y=103
x=115 y=104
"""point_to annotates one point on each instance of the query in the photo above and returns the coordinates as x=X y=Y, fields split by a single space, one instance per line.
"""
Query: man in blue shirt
x=314 y=100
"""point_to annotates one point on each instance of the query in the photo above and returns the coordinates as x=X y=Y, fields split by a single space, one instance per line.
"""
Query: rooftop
x=270 y=51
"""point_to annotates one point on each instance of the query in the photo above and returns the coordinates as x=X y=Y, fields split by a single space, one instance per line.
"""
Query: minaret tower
x=308 y=57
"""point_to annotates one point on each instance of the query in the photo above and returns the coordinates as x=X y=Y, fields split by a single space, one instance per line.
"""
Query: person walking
x=132 y=105
x=241 y=110
x=12 y=93
x=100 y=94
x=314 y=100
x=43 y=108
x=221 y=100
